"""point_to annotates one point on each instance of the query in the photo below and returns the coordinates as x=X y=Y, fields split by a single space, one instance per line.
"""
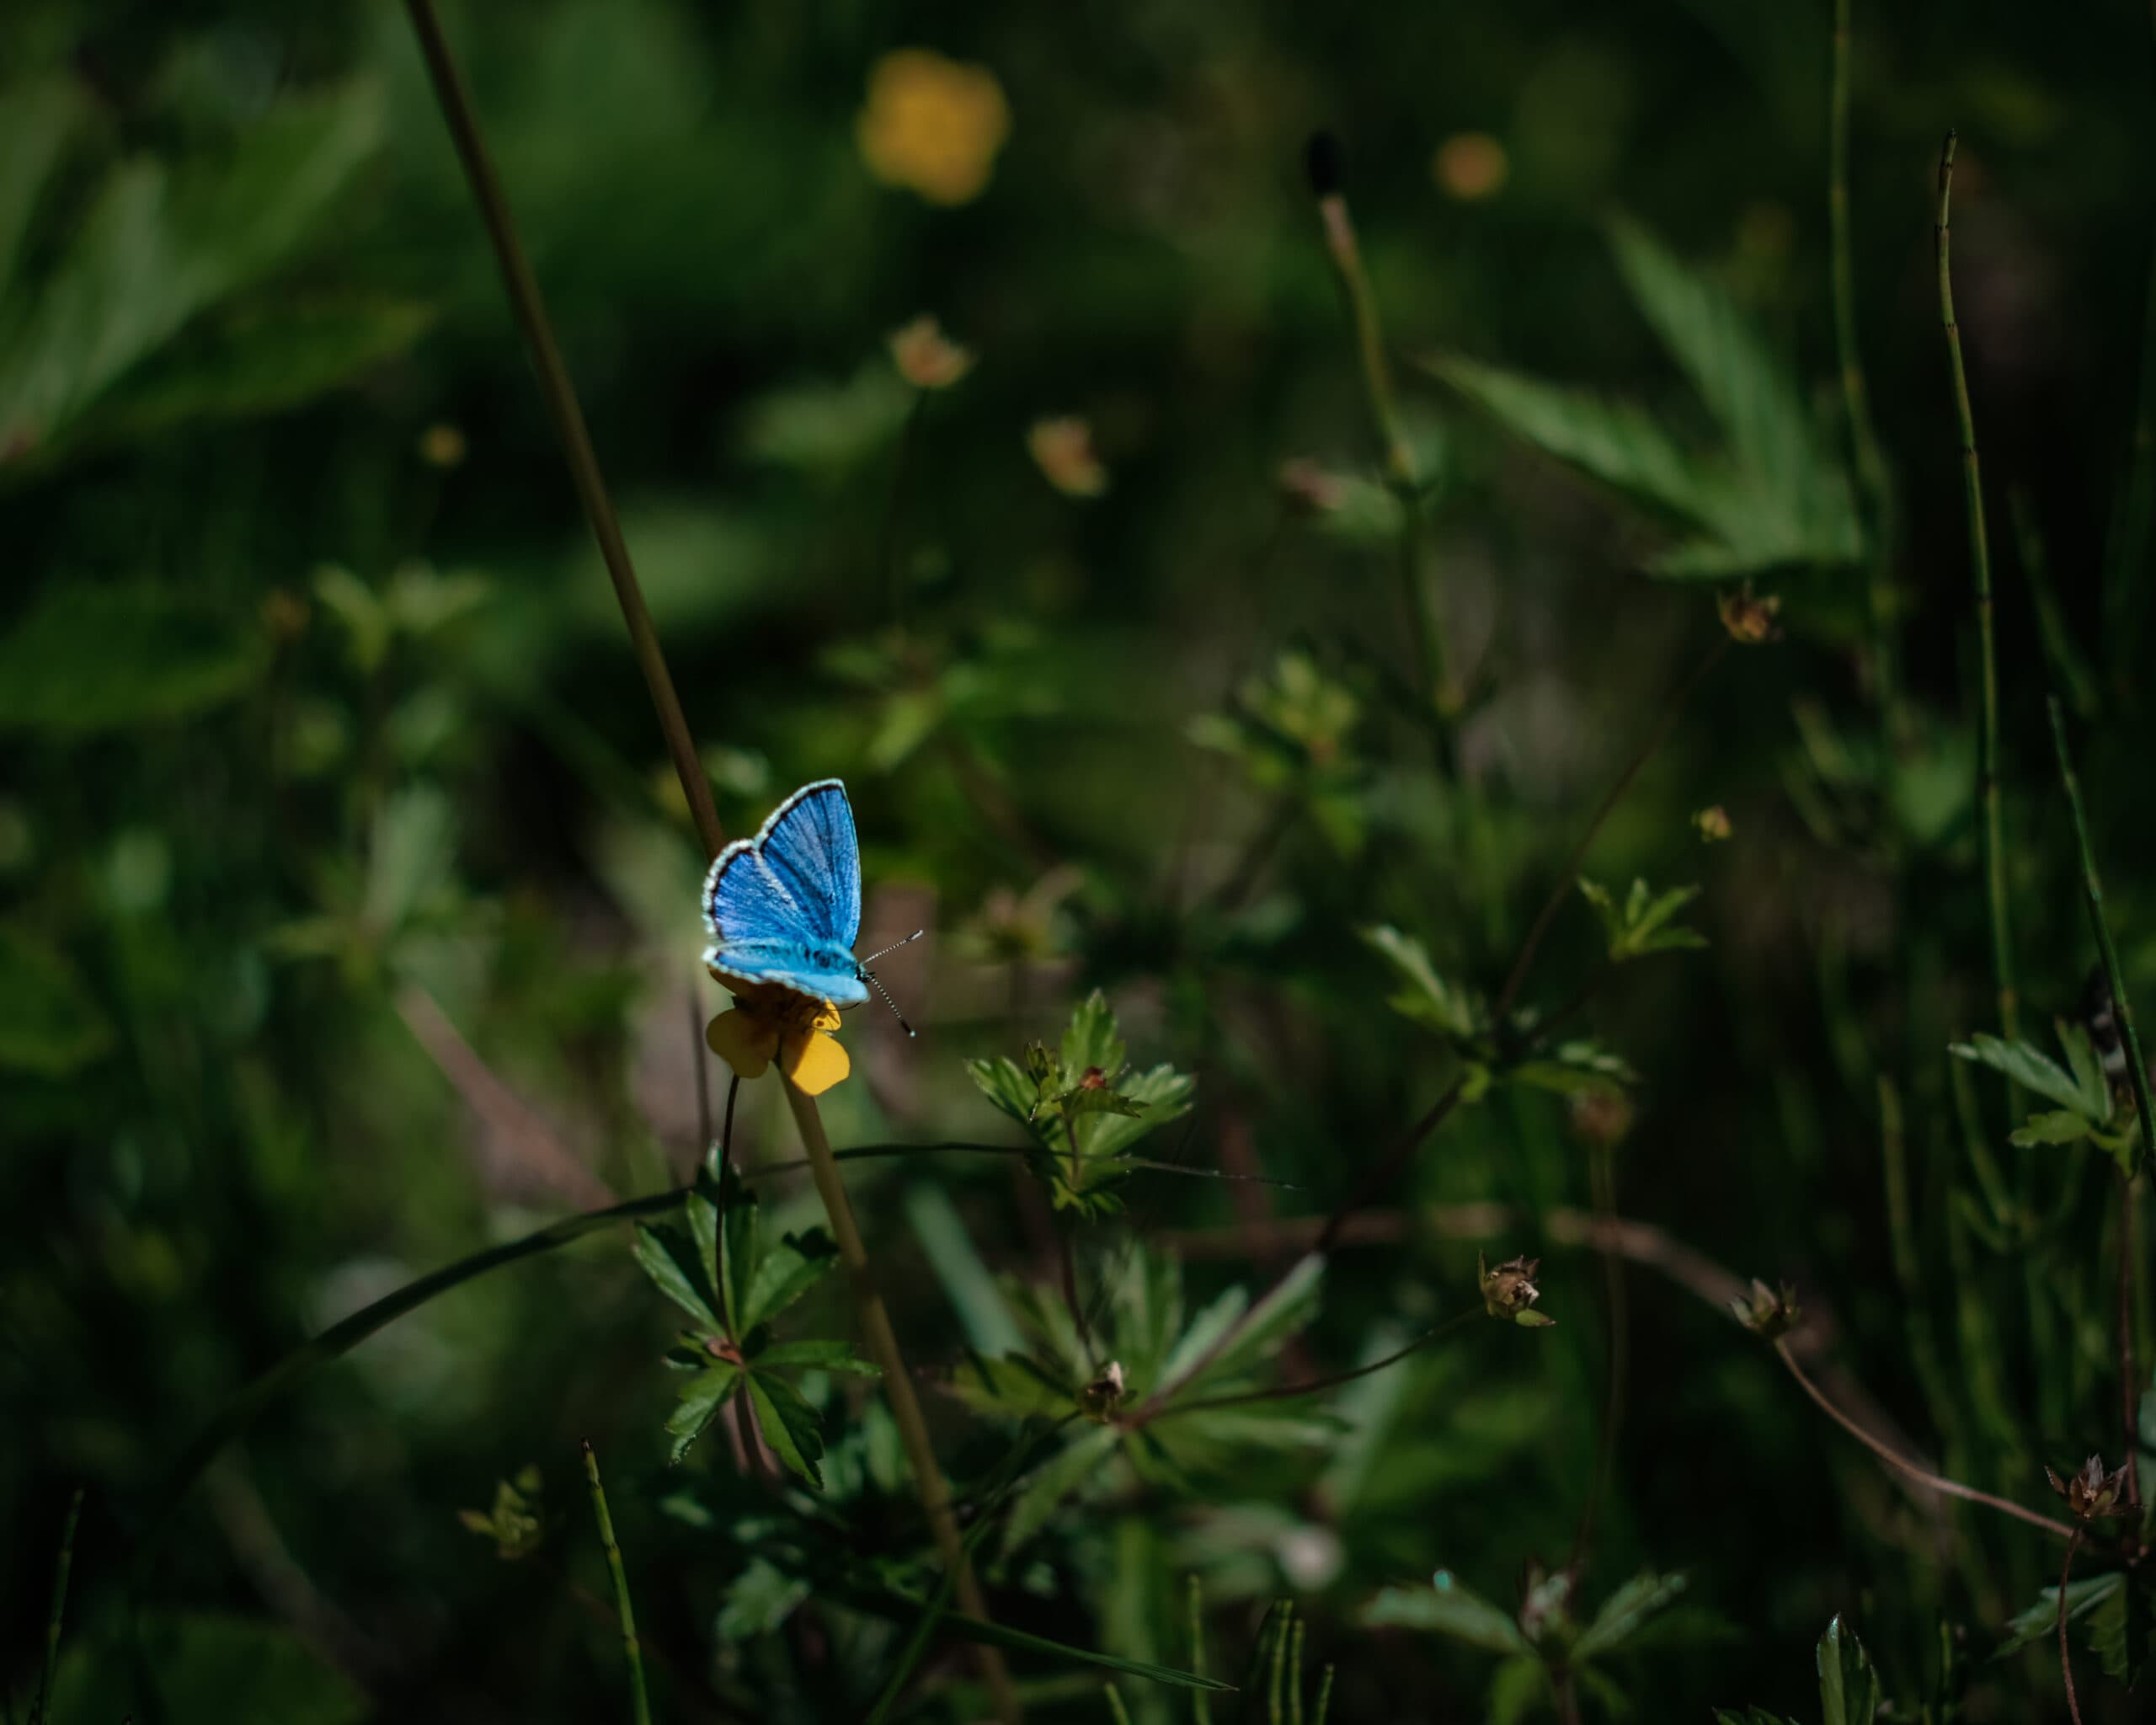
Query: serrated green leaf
x=701 y=1398
x=2058 y=1126
x=2026 y=1065
x=2088 y=1070
x=789 y=1270
x=1849 y=1688
x=2120 y=1629
x=90 y=658
x=1624 y=1611
x=702 y=1212
x=50 y=1023
x=1013 y=1386
x=1448 y=1609
x=740 y=1256
x=2041 y=1619
x=670 y=1260
x=1285 y=1311
x=1428 y=998
x=790 y=1426
x=817 y=1356
x=1071 y=1467
x=1093 y=1039
x=1002 y=1081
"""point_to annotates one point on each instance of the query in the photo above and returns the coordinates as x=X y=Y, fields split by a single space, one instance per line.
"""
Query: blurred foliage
x=348 y=904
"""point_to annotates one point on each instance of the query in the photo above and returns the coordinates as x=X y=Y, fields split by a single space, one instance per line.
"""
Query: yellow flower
x=1064 y=449
x=932 y=125
x=927 y=358
x=769 y=1023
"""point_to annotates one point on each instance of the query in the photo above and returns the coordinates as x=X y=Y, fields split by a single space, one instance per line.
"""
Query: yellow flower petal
x=813 y=1062
x=744 y=1043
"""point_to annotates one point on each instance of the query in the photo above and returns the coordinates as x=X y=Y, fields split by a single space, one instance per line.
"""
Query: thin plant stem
x=639 y=1696
x=726 y=1130
x=1524 y=961
x=1116 y=1711
x=2067 y=665
x=1603 y=1178
x=1324 y=1697
x=2065 y=1657
x=1388 y=1168
x=2137 y=1070
x=887 y=560
x=1901 y=1234
x=567 y=414
x=1902 y=1465
x=1988 y=794
x=1201 y=1703
x=1281 y=1635
x=1285 y=1392
x=883 y=1342
x=1295 y=1671
x=1871 y=464
x=1343 y=249
x=41 y=1715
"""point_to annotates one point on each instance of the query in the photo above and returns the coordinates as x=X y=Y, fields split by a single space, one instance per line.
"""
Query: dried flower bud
x=2092 y=1494
x=1602 y=1119
x=1063 y=449
x=1712 y=825
x=927 y=358
x=1099 y=1400
x=1770 y=1312
x=1749 y=621
x=1094 y=1079
x=1509 y=1290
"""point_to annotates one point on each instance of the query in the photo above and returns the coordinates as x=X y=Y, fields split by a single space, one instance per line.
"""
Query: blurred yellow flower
x=769 y=1023
x=1470 y=166
x=442 y=445
x=927 y=358
x=932 y=125
x=1064 y=448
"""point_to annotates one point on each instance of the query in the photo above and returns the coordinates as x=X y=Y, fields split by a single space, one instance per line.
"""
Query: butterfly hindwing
x=785 y=906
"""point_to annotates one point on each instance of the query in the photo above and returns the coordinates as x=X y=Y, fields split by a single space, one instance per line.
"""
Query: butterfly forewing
x=785 y=906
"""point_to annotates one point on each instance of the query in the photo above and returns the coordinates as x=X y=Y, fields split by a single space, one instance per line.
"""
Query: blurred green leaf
x=49 y=1022
x=2041 y=1619
x=1849 y=1688
x=1428 y=999
x=38 y=121
x=2032 y=1069
x=2119 y=1628
x=811 y=1356
x=989 y=1326
x=759 y=1600
x=1447 y=1608
x=1642 y=925
x=1624 y=1612
x=90 y=658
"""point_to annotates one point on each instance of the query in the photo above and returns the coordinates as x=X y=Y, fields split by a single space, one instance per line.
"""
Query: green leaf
x=1849 y=1688
x=2088 y=1070
x=90 y=658
x=39 y=123
x=2119 y=1628
x=2058 y=1126
x=2027 y=1066
x=1428 y=998
x=49 y=1022
x=790 y=1426
x=1447 y=1608
x=789 y=1270
x=1518 y=1688
x=1286 y=1309
x=1624 y=1611
x=701 y=1398
x=701 y=1210
x=759 y=1600
x=670 y=1260
x=1014 y=1386
x=2041 y=1619
x=1071 y=1467
x=813 y=1356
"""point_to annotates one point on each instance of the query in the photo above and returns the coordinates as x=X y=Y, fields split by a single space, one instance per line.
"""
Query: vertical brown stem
x=2065 y=1657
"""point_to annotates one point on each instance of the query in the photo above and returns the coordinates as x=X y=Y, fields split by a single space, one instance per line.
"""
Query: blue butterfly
x=785 y=906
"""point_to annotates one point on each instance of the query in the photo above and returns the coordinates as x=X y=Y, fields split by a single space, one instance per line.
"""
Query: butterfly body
x=784 y=907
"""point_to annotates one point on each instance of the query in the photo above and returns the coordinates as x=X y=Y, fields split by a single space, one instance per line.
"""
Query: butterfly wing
x=811 y=849
x=785 y=906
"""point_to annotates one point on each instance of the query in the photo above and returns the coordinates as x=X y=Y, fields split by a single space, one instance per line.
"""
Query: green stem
x=2066 y=665
x=1524 y=962
x=1871 y=464
x=1987 y=785
x=2138 y=1071
x=43 y=1714
x=639 y=1697
x=1201 y=1704
x=883 y=1343
x=1341 y=247
x=567 y=414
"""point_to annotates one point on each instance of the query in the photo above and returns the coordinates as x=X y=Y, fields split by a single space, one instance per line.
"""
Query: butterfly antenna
x=876 y=983
x=894 y=946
